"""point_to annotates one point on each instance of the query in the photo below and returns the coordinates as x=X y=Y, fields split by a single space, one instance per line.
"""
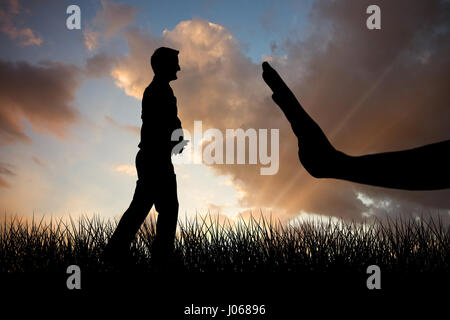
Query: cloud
x=40 y=94
x=108 y=22
x=115 y=16
x=131 y=72
x=39 y=161
x=126 y=169
x=218 y=84
x=131 y=129
x=91 y=39
x=3 y=183
x=99 y=65
x=5 y=170
x=25 y=36
x=370 y=92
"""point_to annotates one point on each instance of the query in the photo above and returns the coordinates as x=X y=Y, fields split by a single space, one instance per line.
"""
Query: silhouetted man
x=156 y=184
x=422 y=168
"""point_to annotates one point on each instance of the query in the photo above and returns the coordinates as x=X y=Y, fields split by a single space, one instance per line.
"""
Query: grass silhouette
x=258 y=244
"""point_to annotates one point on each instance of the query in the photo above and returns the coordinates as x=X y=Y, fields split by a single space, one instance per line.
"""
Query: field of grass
x=257 y=244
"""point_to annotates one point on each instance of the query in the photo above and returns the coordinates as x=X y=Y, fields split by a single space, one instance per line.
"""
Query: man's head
x=164 y=63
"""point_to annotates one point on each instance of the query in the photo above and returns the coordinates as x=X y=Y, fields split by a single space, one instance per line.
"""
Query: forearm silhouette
x=423 y=168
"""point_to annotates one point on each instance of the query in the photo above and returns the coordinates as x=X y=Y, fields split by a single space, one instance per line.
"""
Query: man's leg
x=131 y=220
x=166 y=203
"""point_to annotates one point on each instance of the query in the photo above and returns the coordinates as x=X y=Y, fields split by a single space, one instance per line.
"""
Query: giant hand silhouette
x=422 y=168
x=315 y=152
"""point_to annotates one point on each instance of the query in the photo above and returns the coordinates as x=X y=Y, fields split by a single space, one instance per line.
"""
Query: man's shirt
x=159 y=119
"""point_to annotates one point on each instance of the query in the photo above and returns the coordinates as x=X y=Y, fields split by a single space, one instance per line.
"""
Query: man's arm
x=423 y=168
x=177 y=131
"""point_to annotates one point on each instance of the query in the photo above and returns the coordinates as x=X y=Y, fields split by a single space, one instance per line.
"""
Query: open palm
x=315 y=151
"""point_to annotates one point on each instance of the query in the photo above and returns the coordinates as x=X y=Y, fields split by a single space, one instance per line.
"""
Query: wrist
x=342 y=163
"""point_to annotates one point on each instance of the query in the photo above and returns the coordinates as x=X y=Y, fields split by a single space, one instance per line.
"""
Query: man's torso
x=159 y=120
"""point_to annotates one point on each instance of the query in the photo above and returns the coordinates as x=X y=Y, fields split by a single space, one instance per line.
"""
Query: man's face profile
x=172 y=68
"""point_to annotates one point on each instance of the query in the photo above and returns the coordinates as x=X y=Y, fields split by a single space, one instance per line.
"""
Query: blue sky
x=255 y=26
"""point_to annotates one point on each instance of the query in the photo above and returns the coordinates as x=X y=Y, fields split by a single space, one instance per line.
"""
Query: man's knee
x=167 y=205
x=141 y=203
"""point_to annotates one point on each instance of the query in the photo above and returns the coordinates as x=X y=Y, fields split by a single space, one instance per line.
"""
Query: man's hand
x=315 y=152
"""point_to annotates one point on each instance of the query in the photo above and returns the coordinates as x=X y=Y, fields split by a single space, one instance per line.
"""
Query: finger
x=286 y=100
x=272 y=78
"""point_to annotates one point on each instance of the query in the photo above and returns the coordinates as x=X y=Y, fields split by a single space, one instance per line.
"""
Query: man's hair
x=161 y=57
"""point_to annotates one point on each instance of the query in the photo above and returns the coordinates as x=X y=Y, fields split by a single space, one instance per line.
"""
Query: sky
x=70 y=100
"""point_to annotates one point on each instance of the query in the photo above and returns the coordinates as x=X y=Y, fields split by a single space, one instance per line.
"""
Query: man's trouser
x=156 y=185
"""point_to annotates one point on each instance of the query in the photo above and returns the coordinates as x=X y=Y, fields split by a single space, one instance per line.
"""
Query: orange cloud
x=99 y=65
x=3 y=183
x=107 y=22
x=5 y=169
x=128 y=128
x=40 y=94
x=39 y=161
x=127 y=169
x=25 y=36
x=91 y=39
